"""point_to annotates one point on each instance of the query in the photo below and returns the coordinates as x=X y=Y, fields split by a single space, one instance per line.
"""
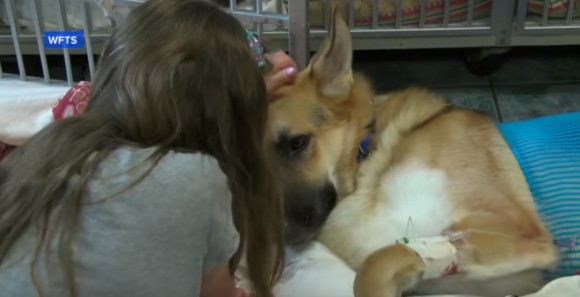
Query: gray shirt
x=155 y=239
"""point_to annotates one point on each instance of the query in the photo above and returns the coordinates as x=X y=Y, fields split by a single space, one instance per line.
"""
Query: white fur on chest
x=412 y=200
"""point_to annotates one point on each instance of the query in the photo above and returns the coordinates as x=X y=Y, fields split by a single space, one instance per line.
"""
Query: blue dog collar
x=364 y=147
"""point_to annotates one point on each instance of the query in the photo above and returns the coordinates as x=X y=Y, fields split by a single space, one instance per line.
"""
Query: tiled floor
x=530 y=82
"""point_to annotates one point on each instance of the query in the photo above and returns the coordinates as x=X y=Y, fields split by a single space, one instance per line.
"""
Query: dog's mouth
x=307 y=211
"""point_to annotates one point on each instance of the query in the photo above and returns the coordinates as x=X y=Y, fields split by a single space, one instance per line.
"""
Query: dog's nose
x=306 y=209
x=298 y=233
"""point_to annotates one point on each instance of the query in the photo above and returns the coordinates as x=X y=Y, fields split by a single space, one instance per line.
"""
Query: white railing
x=300 y=25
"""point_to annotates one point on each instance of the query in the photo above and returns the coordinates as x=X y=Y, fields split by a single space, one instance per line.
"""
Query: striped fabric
x=410 y=14
x=548 y=151
x=557 y=9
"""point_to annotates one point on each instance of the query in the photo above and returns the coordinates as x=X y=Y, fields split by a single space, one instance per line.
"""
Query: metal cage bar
x=546 y=12
x=62 y=25
x=570 y=12
x=350 y=14
x=470 y=12
x=87 y=27
x=299 y=31
x=399 y=16
x=375 y=15
x=38 y=29
x=422 y=14
x=327 y=17
x=129 y=3
x=446 y=9
x=258 y=7
x=15 y=32
x=502 y=18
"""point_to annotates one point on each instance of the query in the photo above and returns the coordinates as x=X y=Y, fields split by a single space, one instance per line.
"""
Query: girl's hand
x=218 y=282
x=284 y=71
x=241 y=293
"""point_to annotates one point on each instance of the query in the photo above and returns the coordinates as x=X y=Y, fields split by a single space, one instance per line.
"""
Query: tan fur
x=485 y=190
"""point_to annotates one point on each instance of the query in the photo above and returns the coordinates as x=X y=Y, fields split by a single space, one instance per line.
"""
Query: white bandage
x=438 y=254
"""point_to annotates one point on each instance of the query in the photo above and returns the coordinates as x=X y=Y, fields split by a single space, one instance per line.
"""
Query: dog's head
x=314 y=132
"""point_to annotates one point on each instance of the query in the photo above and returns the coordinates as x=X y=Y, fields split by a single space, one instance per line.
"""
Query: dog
x=366 y=174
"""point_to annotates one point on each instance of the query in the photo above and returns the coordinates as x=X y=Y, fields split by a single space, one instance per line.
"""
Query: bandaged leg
x=438 y=254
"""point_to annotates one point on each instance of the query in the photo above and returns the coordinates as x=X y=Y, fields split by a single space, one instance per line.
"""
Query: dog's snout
x=306 y=211
x=330 y=196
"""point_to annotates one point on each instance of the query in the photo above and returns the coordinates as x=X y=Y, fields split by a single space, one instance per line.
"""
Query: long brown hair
x=176 y=75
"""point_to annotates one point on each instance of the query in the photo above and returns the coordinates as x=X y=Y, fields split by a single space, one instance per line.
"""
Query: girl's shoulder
x=182 y=191
x=173 y=167
x=184 y=178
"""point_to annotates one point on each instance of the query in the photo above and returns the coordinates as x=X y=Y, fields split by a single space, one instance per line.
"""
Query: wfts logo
x=64 y=39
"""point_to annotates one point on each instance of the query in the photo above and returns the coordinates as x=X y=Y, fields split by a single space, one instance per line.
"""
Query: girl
x=135 y=196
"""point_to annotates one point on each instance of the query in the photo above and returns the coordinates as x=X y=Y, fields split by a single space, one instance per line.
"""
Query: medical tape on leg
x=437 y=253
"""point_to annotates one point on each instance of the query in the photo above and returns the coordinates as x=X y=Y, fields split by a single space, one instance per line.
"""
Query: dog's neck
x=365 y=145
x=364 y=148
x=359 y=151
x=360 y=135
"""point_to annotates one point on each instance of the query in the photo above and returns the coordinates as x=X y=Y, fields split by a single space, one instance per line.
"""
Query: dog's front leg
x=388 y=272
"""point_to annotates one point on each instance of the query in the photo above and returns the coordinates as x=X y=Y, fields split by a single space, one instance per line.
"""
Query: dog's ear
x=332 y=63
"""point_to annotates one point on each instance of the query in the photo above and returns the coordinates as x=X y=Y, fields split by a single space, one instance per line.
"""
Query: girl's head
x=177 y=75
x=180 y=74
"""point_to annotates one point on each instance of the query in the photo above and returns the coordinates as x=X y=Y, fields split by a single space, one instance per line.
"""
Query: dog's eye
x=299 y=143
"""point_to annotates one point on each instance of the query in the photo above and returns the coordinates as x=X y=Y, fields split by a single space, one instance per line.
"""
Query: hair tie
x=257 y=49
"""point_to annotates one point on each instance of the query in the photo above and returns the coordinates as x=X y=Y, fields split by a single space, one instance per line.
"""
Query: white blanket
x=26 y=108
x=317 y=272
